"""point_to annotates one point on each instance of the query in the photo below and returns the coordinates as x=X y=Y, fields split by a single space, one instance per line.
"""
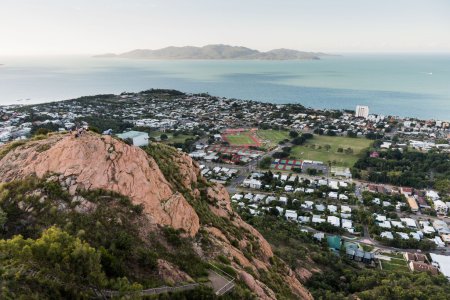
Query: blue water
x=404 y=85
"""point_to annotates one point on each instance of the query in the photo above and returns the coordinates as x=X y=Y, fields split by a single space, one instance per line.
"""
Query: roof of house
x=423 y=267
x=131 y=134
x=334 y=241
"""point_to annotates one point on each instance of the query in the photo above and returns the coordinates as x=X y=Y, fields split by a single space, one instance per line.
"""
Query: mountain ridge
x=216 y=51
x=174 y=212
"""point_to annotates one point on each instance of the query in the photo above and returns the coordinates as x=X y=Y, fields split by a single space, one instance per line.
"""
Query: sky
x=48 y=27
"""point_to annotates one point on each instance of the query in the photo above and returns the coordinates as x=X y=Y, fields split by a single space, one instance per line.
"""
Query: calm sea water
x=404 y=85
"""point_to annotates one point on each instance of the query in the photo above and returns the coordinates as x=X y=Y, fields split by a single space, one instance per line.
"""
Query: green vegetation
x=271 y=138
x=105 y=245
x=171 y=137
x=265 y=162
x=336 y=277
x=240 y=139
x=395 y=264
x=408 y=168
x=331 y=149
x=4 y=150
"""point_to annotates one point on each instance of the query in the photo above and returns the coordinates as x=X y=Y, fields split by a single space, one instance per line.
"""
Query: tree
x=443 y=186
x=327 y=147
x=3 y=218
x=298 y=140
x=265 y=162
x=163 y=137
x=349 y=151
x=57 y=262
x=293 y=134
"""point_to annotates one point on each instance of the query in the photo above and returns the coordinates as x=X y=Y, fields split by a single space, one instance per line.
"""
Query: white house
x=438 y=241
x=283 y=200
x=259 y=197
x=304 y=219
x=333 y=195
x=270 y=199
x=387 y=234
x=317 y=219
x=403 y=236
x=397 y=224
x=343 y=197
x=346 y=209
x=332 y=208
x=335 y=221
x=409 y=222
x=320 y=207
x=291 y=214
x=307 y=204
x=433 y=195
x=347 y=224
x=252 y=183
x=288 y=188
x=137 y=137
x=385 y=224
x=440 y=207
x=237 y=197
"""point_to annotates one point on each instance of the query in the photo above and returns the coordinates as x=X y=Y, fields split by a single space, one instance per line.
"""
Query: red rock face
x=101 y=162
x=95 y=162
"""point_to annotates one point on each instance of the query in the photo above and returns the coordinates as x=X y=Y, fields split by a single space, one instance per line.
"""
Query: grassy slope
x=342 y=159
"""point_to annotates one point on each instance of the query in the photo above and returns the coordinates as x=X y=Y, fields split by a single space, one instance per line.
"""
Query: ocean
x=401 y=85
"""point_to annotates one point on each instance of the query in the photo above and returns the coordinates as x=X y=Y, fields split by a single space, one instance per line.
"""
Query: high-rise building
x=362 y=111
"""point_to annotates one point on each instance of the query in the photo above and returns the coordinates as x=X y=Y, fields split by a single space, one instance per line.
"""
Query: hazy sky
x=99 y=26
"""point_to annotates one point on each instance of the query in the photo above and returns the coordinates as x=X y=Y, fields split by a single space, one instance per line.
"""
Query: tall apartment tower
x=362 y=111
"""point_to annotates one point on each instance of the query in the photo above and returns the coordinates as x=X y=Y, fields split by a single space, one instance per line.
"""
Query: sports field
x=325 y=148
x=239 y=139
x=271 y=137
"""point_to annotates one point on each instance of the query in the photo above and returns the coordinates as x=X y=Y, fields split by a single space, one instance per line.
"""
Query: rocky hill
x=216 y=52
x=147 y=213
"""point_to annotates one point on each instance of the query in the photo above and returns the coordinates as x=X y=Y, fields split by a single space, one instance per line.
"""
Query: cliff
x=168 y=186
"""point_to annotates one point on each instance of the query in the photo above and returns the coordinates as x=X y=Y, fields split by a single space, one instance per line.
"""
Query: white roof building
x=346 y=209
x=270 y=199
x=347 y=224
x=320 y=207
x=343 y=197
x=409 y=222
x=385 y=224
x=438 y=241
x=304 y=219
x=283 y=200
x=248 y=196
x=332 y=208
x=307 y=204
x=403 y=235
x=333 y=195
x=380 y=218
x=397 y=224
x=291 y=214
x=335 y=221
x=237 y=197
x=288 y=188
x=442 y=262
x=387 y=234
x=440 y=207
x=317 y=219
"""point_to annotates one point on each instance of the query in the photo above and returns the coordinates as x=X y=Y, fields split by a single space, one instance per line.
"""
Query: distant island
x=215 y=52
